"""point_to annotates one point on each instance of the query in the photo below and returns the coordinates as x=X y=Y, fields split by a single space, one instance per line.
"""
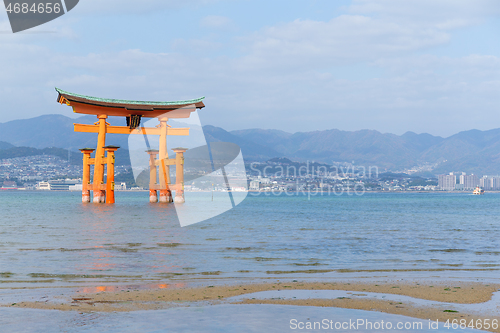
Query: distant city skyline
x=392 y=66
x=463 y=181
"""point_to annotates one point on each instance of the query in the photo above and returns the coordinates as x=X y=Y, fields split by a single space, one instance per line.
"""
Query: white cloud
x=445 y=14
x=201 y=46
x=110 y=7
x=374 y=29
x=216 y=22
x=342 y=40
x=286 y=77
x=421 y=94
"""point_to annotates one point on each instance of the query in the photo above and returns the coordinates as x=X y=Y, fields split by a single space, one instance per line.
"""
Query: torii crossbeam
x=133 y=111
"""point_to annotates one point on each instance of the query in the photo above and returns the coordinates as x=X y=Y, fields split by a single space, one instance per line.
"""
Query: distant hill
x=365 y=147
x=54 y=131
x=276 y=139
x=471 y=151
x=5 y=145
x=75 y=157
x=249 y=148
x=420 y=142
x=15 y=152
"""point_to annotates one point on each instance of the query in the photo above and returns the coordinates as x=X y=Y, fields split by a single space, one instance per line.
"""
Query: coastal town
x=43 y=172
x=46 y=172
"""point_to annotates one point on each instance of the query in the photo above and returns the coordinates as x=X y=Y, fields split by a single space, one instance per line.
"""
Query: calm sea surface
x=50 y=238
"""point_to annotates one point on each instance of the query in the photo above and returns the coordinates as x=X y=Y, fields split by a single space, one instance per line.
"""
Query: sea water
x=51 y=239
x=226 y=318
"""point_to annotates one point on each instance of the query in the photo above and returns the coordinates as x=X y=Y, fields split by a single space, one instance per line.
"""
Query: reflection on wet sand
x=111 y=288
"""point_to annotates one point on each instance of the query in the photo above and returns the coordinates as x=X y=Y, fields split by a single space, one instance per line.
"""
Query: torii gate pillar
x=165 y=193
x=86 y=174
x=153 y=194
x=179 y=174
x=110 y=173
x=99 y=194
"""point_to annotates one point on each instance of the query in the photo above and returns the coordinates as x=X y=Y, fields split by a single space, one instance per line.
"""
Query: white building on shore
x=447 y=182
x=43 y=186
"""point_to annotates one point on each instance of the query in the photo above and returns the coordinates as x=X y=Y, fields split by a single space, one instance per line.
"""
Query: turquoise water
x=50 y=238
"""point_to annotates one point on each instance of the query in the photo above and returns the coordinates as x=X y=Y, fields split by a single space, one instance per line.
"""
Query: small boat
x=478 y=191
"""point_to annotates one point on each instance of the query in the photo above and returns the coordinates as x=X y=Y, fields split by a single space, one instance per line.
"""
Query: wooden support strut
x=84 y=128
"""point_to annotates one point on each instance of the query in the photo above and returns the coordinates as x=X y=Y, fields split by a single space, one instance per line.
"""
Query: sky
x=427 y=66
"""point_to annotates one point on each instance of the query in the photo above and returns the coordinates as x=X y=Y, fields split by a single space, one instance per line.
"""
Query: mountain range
x=470 y=151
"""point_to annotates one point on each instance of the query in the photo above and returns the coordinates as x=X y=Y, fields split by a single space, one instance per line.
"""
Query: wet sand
x=150 y=299
x=391 y=307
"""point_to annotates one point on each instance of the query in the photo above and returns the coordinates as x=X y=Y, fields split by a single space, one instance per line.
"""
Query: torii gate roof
x=117 y=107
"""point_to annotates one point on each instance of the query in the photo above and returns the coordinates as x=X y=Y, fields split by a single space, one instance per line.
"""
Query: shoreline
x=255 y=192
x=446 y=292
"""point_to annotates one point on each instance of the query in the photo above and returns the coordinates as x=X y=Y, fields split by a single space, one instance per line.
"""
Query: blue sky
x=393 y=66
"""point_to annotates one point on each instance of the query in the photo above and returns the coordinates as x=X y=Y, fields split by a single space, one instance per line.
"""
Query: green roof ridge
x=122 y=101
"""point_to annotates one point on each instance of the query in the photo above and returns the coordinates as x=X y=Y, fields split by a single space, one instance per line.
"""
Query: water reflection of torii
x=104 y=155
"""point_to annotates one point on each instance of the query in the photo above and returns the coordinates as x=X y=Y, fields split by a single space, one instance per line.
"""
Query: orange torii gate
x=104 y=155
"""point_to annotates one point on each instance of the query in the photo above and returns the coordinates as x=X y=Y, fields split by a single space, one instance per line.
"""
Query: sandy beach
x=152 y=299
